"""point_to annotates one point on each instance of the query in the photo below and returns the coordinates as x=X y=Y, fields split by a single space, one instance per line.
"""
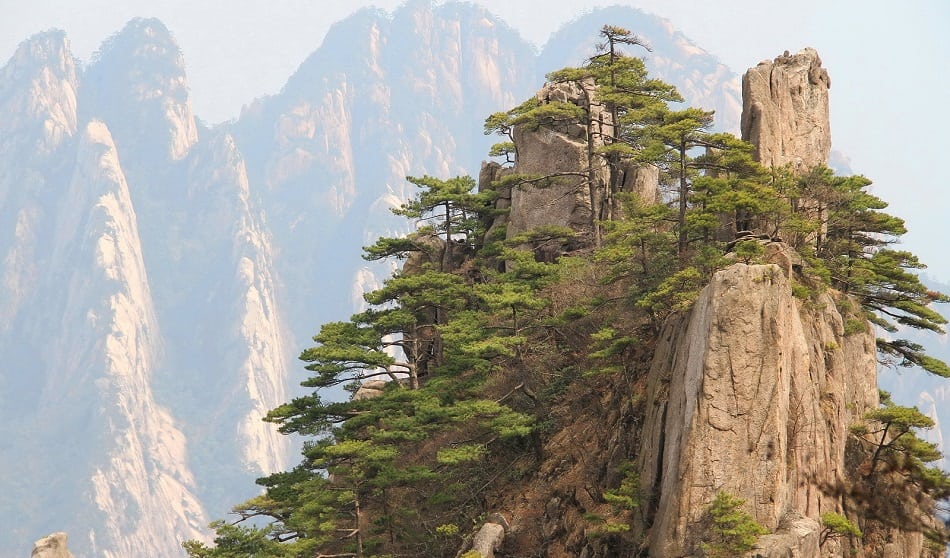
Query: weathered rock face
x=45 y=110
x=752 y=393
x=141 y=473
x=785 y=110
x=53 y=546
x=547 y=151
x=581 y=190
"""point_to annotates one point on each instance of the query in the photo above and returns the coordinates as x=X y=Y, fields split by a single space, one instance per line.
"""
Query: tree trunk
x=683 y=191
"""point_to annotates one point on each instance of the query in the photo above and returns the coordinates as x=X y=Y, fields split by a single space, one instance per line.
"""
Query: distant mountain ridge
x=158 y=277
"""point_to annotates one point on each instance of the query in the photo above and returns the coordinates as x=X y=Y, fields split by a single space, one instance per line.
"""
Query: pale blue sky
x=888 y=63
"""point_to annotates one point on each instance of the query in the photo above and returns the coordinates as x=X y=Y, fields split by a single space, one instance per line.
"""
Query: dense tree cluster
x=463 y=332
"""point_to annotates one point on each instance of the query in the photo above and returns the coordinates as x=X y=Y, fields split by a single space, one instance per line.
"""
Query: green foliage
x=749 y=251
x=235 y=541
x=897 y=468
x=837 y=525
x=448 y=529
x=851 y=239
x=628 y=495
x=370 y=463
x=608 y=342
x=732 y=531
x=891 y=433
x=675 y=294
x=801 y=291
x=854 y=325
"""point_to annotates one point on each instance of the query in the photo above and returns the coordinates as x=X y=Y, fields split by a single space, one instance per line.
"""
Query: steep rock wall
x=752 y=393
x=139 y=477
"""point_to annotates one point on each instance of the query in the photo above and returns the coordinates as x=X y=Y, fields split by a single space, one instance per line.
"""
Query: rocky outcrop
x=577 y=189
x=752 y=393
x=488 y=540
x=549 y=151
x=369 y=389
x=785 y=110
x=53 y=546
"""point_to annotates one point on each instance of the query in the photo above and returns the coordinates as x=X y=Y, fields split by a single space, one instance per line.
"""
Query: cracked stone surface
x=750 y=393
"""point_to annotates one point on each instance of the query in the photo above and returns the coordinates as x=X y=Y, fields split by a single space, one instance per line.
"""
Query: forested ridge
x=472 y=360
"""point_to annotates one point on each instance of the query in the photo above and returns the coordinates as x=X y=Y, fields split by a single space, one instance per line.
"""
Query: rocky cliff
x=753 y=394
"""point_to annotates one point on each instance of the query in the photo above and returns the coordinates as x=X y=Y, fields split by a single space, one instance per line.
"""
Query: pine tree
x=611 y=79
x=853 y=239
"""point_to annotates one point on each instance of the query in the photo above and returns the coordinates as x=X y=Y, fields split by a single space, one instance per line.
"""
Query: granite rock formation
x=785 y=110
x=578 y=191
x=752 y=394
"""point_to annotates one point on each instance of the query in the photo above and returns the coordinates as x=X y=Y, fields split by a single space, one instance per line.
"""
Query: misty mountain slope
x=112 y=346
x=137 y=85
x=140 y=318
x=38 y=99
x=384 y=97
x=209 y=252
x=229 y=367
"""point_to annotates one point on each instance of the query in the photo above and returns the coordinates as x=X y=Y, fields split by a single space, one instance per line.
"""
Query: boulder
x=53 y=546
x=488 y=539
x=370 y=389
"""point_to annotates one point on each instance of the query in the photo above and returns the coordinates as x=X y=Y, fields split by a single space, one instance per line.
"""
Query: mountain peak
x=48 y=48
x=38 y=93
x=137 y=85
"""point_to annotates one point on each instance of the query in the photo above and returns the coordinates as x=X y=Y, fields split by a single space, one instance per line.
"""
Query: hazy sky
x=888 y=61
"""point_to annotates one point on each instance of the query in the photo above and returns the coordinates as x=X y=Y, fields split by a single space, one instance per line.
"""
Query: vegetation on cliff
x=489 y=348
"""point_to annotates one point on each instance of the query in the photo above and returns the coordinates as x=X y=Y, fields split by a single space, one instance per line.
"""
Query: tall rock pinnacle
x=785 y=110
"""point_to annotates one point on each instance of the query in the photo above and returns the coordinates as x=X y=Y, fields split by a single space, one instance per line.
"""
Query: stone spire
x=785 y=110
